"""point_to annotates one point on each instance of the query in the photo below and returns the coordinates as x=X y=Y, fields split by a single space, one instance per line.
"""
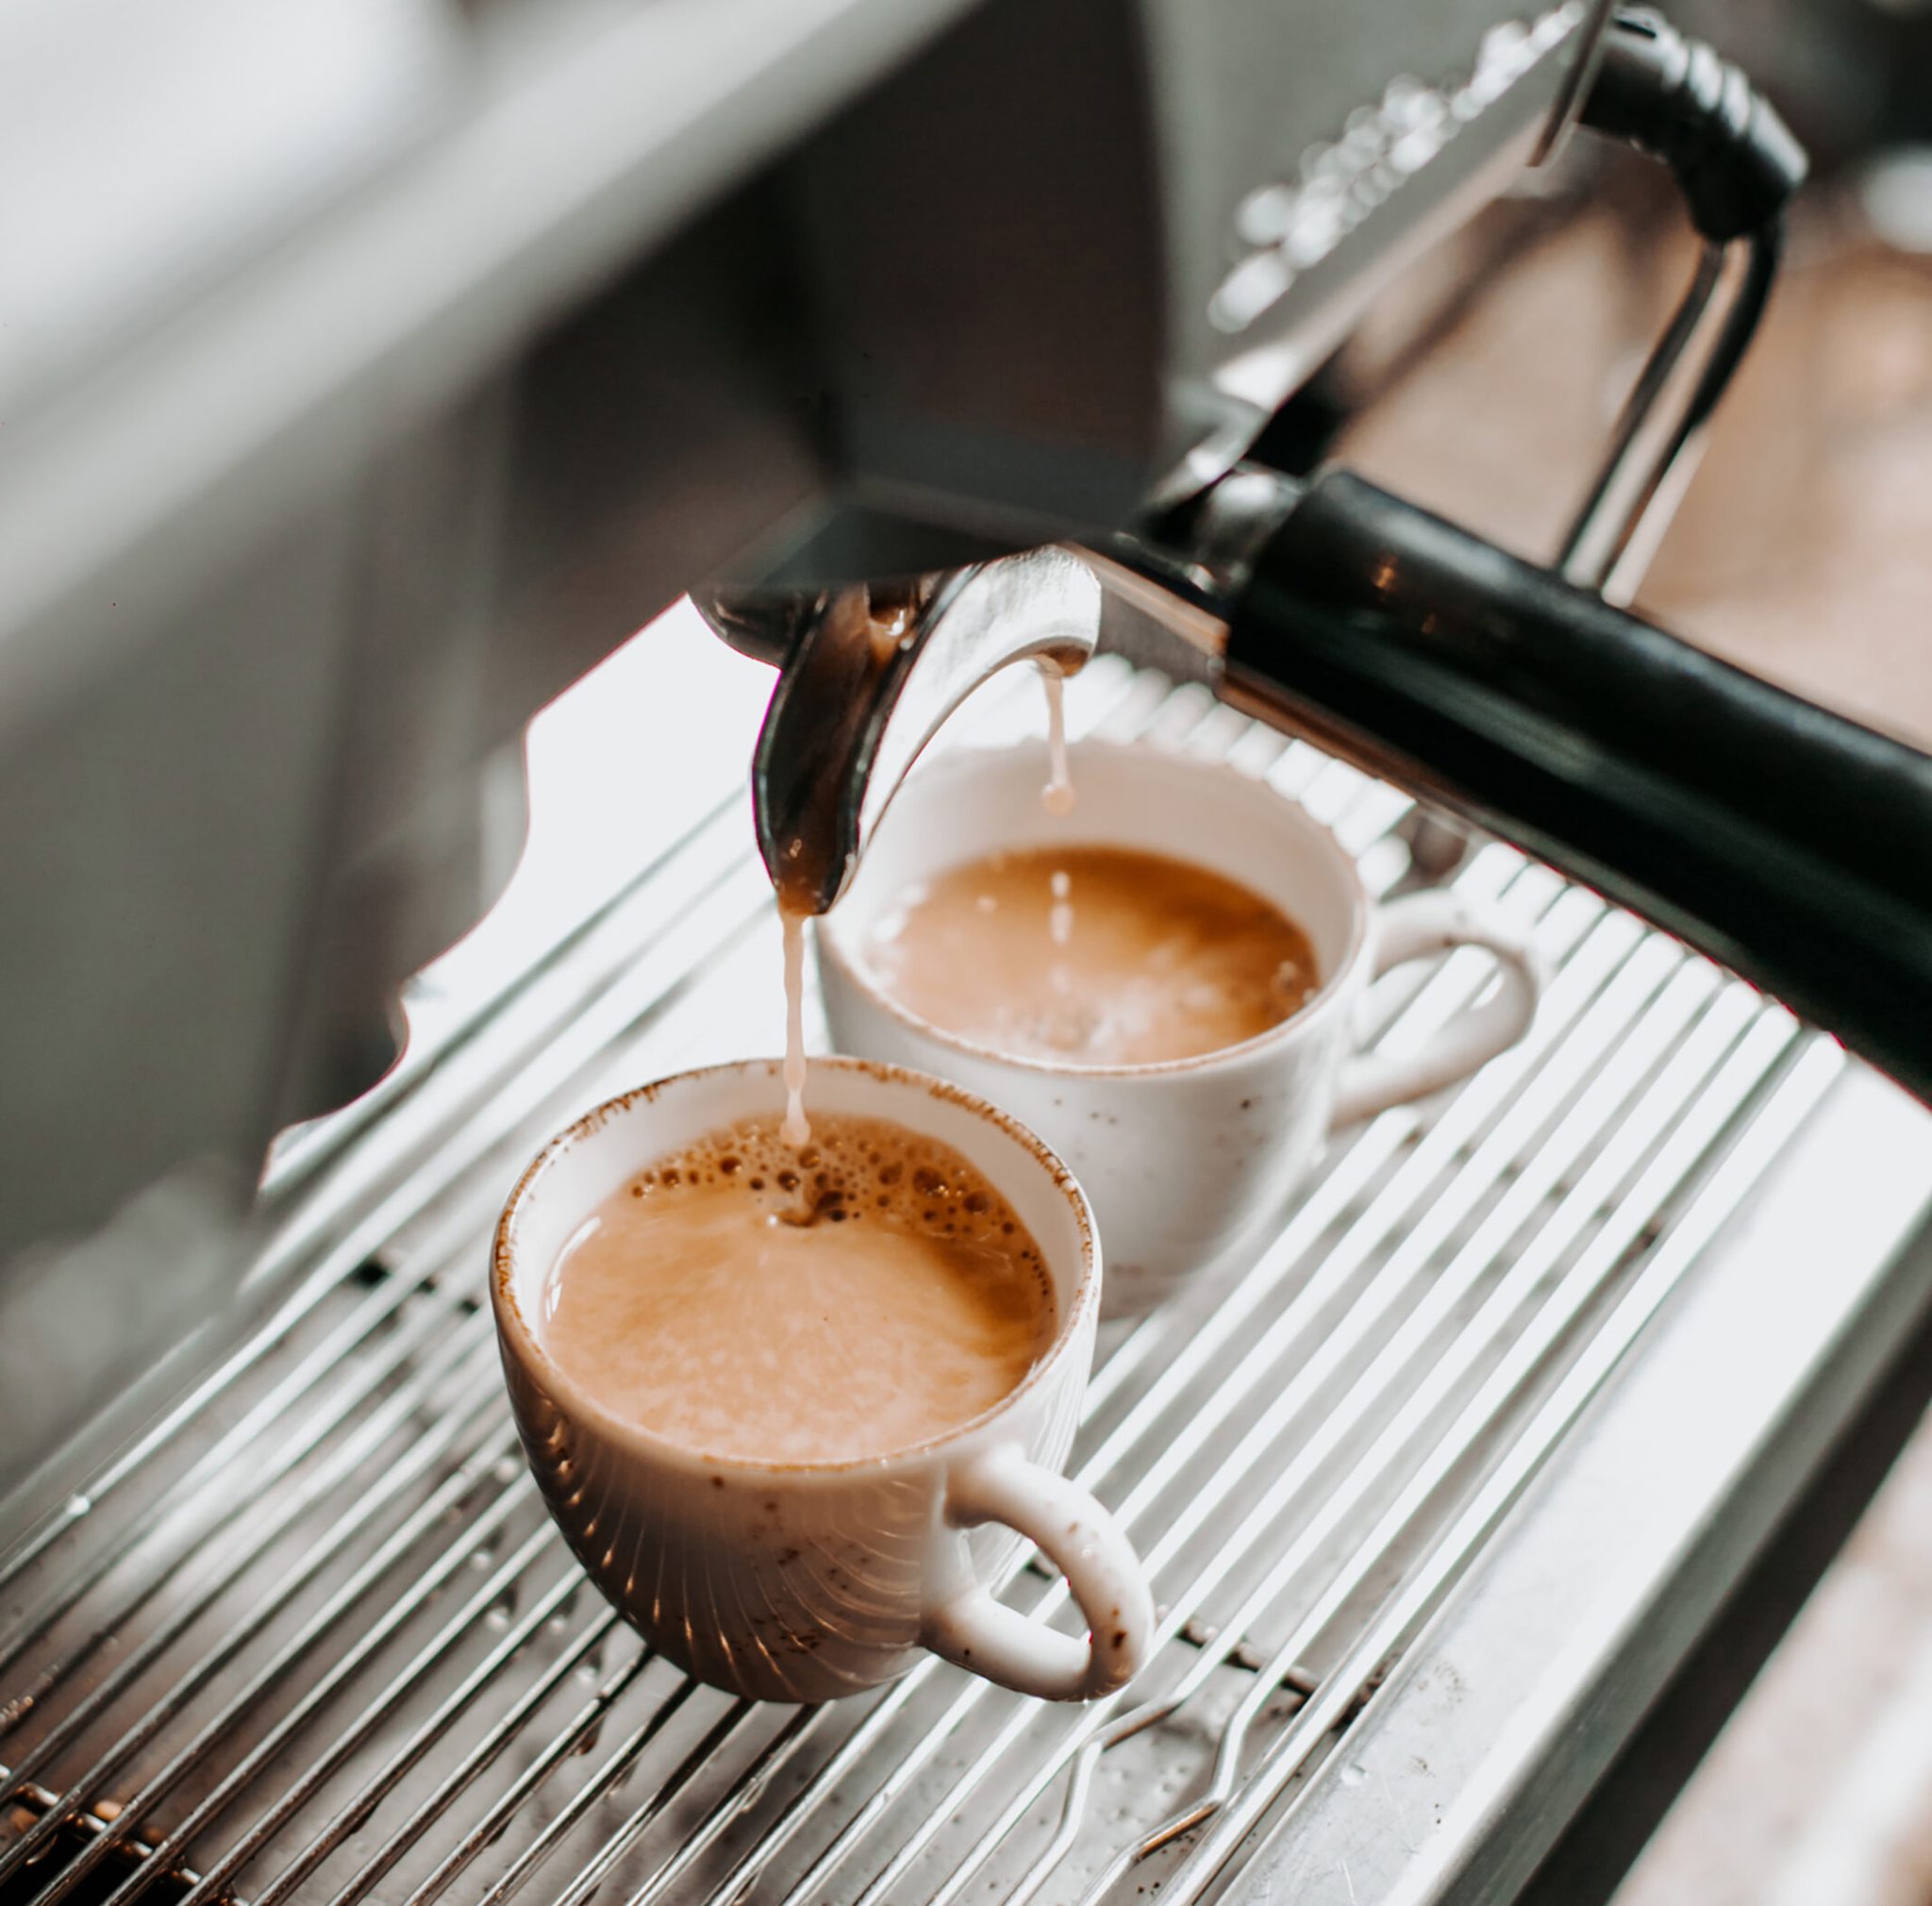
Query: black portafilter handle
x=1791 y=845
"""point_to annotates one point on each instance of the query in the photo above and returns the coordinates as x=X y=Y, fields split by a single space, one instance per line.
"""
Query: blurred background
x=1804 y=548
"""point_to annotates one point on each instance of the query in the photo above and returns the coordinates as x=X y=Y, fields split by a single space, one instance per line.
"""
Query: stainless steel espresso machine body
x=370 y=374
x=372 y=368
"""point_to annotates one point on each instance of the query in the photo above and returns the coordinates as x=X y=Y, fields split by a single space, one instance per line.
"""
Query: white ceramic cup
x=1187 y=1163
x=797 y=1582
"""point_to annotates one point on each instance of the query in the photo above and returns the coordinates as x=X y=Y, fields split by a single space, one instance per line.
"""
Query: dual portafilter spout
x=868 y=673
x=1785 y=842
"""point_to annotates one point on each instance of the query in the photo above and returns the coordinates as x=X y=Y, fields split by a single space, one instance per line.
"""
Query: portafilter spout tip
x=870 y=677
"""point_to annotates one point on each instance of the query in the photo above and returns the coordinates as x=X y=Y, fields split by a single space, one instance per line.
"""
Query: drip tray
x=312 y=1638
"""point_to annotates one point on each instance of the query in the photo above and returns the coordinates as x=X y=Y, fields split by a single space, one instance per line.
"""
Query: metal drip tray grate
x=313 y=1639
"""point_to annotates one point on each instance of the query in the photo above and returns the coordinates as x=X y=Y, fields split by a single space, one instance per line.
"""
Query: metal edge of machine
x=1452 y=1786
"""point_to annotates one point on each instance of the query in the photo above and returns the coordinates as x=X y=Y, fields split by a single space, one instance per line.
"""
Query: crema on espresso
x=747 y=1298
x=1090 y=956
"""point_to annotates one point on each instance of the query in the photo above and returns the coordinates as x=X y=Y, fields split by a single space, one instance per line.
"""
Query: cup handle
x=975 y=1631
x=1416 y=928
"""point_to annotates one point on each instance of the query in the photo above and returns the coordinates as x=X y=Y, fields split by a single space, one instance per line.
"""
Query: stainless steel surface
x=1524 y=1690
x=370 y=374
x=311 y=1637
x=1293 y=232
x=866 y=684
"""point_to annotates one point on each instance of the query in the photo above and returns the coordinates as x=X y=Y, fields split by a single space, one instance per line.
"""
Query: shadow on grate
x=28 y=1805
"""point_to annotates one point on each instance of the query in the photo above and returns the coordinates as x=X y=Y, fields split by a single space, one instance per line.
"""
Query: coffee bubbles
x=747 y=1298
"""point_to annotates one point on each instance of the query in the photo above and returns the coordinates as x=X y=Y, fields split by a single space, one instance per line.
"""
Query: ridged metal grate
x=313 y=1639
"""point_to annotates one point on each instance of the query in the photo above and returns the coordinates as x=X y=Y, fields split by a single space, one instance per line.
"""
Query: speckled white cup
x=1187 y=1163
x=798 y=1581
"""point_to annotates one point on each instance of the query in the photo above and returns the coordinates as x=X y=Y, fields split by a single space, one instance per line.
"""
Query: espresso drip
x=1058 y=795
x=796 y=1130
x=1060 y=916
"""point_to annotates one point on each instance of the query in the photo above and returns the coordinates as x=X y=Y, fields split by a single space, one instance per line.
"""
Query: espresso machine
x=372 y=369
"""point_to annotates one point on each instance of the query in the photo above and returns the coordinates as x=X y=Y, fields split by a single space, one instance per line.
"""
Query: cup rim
x=1327 y=999
x=516 y=1336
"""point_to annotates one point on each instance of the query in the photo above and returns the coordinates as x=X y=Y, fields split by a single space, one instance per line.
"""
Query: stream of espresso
x=1057 y=796
x=1058 y=792
x=796 y=1131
